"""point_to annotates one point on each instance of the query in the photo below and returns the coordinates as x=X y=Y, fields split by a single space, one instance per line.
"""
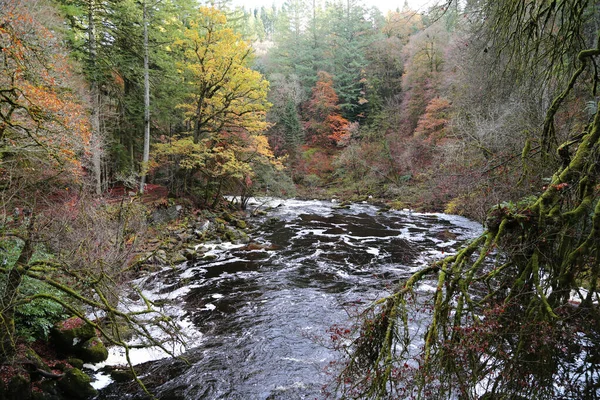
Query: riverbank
x=175 y=233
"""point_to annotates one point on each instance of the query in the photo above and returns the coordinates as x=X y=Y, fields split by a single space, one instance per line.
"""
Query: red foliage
x=433 y=122
x=325 y=125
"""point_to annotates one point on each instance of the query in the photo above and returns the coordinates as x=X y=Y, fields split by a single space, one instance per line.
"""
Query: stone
x=160 y=257
x=76 y=385
x=231 y=235
x=75 y=362
x=184 y=237
x=243 y=238
x=178 y=258
x=240 y=223
x=93 y=351
x=121 y=375
x=202 y=226
x=189 y=254
x=71 y=333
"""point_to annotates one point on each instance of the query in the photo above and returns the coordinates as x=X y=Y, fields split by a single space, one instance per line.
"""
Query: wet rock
x=76 y=385
x=344 y=205
x=240 y=223
x=93 y=351
x=446 y=235
x=201 y=249
x=258 y=246
x=190 y=254
x=271 y=221
x=121 y=375
x=178 y=258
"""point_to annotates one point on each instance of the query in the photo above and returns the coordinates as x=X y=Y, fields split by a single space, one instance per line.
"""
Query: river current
x=254 y=317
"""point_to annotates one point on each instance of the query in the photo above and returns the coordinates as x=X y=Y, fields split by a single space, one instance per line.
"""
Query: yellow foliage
x=225 y=93
x=226 y=104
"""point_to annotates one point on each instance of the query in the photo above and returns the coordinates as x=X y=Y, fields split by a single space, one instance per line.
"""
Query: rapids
x=254 y=316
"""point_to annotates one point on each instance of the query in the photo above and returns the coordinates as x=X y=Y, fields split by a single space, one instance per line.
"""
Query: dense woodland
x=487 y=109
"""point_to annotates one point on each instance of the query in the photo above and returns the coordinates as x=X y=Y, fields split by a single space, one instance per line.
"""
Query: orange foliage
x=432 y=124
x=43 y=125
x=325 y=125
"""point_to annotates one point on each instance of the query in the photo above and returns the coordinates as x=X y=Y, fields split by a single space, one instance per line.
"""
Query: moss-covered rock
x=76 y=385
x=93 y=351
x=75 y=362
x=121 y=375
x=71 y=333
x=227 y=217
x=240 y=223
x=178 y=257
x=231 y=235
x=190 y=254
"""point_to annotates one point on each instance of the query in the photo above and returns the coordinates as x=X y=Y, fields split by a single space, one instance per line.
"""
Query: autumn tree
x=226 y=100
x=44 y=131
x=402 y=24
x=58 y=257
x=325 y=124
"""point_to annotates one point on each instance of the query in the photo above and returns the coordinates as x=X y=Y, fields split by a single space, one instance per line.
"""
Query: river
x=254 y=317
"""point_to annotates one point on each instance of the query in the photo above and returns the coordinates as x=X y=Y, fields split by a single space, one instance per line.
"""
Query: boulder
x=71 y=333
x=178 y=257
x=121 y=375
x=160 y=257
x=92 y=351
x=76 y=385
x=75 y=362
x=190 y=254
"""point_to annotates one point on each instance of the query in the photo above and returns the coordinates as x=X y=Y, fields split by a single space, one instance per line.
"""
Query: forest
x=111 y=109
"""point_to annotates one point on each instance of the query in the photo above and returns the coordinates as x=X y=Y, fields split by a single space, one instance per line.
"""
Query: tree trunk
x=96 y=143
x=146 y=156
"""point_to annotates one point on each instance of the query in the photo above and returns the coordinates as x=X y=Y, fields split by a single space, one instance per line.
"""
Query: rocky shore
x=53 y=370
